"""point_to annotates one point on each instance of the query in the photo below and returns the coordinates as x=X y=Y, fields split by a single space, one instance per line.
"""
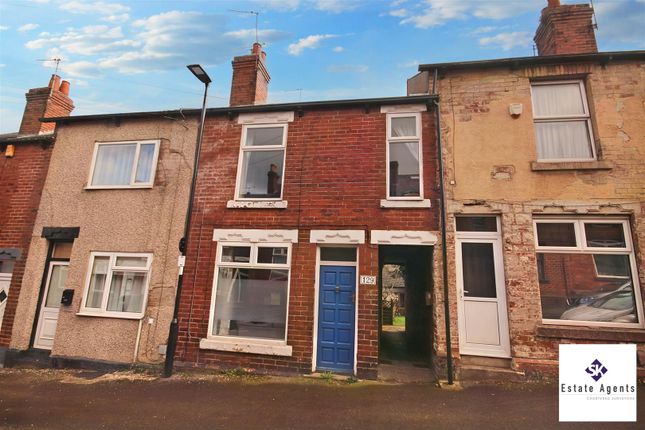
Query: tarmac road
x=56 y=399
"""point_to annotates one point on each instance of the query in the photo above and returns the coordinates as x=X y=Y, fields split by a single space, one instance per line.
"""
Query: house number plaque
x=368 y=280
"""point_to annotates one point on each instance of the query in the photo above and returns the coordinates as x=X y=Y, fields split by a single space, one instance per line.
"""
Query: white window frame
x=582 y=248
x=244 y=148
x=389 y=139
x=586 y=116
x=102 y=311
x=133 y=173
x=252 y=264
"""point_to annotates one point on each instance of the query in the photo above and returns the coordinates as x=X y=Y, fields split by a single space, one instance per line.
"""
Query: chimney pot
x=64 y=88
x=554 y=3
x=257 y=49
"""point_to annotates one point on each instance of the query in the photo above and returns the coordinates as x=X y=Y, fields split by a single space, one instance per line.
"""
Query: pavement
x=68 y=399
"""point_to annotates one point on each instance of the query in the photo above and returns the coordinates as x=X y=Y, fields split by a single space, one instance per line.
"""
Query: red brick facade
x=23 y=177
x=334 y=179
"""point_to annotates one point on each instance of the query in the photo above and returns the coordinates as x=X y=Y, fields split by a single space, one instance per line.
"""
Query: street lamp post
x=171 y=347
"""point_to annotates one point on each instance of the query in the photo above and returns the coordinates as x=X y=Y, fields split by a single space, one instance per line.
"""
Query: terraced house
x=24 y=161
x=545 y=195
x=297 y=209
x=99 y=279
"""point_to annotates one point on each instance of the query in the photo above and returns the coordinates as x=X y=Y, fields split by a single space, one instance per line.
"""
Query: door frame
x=43 y=282
x=320 y=263
x=41 y=308
x=494 y=238
x=7 y=277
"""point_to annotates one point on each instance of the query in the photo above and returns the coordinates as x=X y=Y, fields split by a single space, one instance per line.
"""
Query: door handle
x=337 y=288
x=354 y=298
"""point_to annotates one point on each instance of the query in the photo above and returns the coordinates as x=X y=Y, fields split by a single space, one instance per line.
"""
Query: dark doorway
x=405 y=335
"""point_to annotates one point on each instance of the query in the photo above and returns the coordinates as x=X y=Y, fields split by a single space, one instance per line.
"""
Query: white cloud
x=485 y=29
x=508 y=41
x=2 y=66
x=39 y=1
x=338 y=49
x=345 y=68
x=99 y=7
x=399 y=13
x=620 y=22
x=249 y=34
x=282 y=5
x=438 y=12
x=3 y=28
x=116 y=19
x=27 y=27
x=408 y=64
x=396 y=3
x=335 y=6
x=89 y=40
x=164 y=41
x=309 y=42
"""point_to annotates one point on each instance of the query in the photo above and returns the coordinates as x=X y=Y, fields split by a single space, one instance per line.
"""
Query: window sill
x=110 y=315
x=232 y=345
x=414 y=204
x=263 y=204
x=543 y=166
x=591 y=333
x=119 y=187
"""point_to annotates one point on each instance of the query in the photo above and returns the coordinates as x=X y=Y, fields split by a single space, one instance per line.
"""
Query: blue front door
x=336 y=313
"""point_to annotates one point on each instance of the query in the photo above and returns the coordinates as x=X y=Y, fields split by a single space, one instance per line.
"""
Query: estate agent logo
x=604 y=390
x=596 y=370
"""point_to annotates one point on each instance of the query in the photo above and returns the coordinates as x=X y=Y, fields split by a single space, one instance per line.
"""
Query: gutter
x=300 y=107
x=517 y=62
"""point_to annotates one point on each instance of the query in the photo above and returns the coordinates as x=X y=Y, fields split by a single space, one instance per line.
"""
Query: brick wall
x=51 y=101
x=249 y=84
x=566 y=29
x=21 y=182
x=334 y=179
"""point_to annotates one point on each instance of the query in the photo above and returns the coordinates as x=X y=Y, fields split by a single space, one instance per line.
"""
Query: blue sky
x=123 y=56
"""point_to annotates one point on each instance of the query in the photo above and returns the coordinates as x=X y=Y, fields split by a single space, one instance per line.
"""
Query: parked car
x=617 y=306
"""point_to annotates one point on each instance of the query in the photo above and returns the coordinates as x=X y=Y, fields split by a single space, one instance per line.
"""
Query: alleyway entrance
x=405 y=329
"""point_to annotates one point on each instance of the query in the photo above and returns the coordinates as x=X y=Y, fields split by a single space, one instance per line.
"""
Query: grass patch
x=399 y=320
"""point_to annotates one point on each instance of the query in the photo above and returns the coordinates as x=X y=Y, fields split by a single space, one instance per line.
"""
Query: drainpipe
x=444 y=246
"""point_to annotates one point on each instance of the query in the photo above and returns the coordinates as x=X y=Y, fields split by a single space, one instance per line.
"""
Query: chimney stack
x=50 y=101
x=250 y=78
x=565 y=29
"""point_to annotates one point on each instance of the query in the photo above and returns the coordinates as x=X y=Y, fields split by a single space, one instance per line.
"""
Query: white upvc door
x=482 y=311
x=48 y=317
x=5 y=282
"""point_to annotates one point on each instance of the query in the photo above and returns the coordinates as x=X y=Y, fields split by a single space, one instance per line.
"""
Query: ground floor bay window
x=250 y=298
x=587 y=272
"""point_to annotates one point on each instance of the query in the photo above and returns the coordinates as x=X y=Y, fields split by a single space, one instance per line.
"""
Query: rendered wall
x=125 y=220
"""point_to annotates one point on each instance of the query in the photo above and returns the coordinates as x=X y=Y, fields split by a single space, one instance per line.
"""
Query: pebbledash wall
x=334 y=179
x=146 y=220
x=492 y=169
